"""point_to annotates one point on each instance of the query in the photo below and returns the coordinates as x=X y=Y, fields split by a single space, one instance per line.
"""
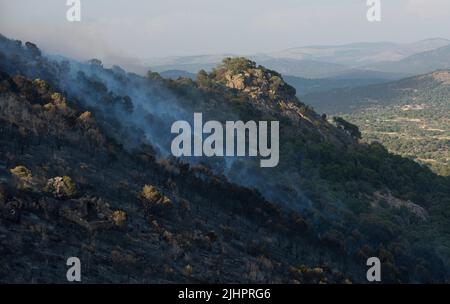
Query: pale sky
x=156 y=28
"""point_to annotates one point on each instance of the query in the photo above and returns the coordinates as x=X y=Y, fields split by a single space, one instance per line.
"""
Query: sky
x=145 y=29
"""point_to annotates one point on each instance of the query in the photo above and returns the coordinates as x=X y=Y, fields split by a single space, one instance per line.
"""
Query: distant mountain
x=321 y=61
x=191 y=64
x=291 y=67
x=303 y=68
x=175 y=74
x=357 y=54
x=186 y=60
x=368 y=74
x=420 y=63
x=306 y=86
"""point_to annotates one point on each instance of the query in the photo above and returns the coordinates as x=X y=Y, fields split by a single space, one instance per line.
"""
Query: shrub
x=168 y=236
x=152 y=194
x=86 y=118
x=119 y=218
x=41 y=84
x=153 y=200
x=154 y=76
x=276 y=82
x=303 y=109
x=33 y=49
x=96 y=63
x=21 y=172
x=59 y=100
x=23 y=176
x=49 y=107
x=188 y=269
x=203 y=79
x=237 y=64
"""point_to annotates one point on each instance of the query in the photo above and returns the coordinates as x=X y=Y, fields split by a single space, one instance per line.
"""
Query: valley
x=410 y=117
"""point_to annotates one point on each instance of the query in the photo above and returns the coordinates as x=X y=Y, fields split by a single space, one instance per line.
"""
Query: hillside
x=347 y=100
x=86 y=171
x=305 y=86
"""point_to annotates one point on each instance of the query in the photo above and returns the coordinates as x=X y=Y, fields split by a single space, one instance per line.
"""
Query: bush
x=154 y=76
x=21 y=172
x=49 y=107
x=96 y=63
x=59 y=100
x=276 y=82
x=86 y=118
x=203 y=79
x=41 y=84
x=23 y=176
x=153 y=200
x=119 y=218
x=188 y=269
x=237 y=64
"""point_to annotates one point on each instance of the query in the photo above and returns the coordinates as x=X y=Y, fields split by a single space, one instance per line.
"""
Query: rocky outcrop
x=258 y=82
x=394 y=202
x=61 y=187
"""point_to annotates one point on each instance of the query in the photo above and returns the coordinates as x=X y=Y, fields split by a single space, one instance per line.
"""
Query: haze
x=144 y=29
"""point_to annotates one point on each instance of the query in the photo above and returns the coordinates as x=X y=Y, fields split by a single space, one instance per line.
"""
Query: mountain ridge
x=420 y=63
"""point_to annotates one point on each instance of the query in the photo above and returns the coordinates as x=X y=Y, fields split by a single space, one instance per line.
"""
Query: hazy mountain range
x=385 y=60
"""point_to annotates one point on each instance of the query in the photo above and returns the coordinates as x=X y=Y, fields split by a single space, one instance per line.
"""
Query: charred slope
x=186 y=225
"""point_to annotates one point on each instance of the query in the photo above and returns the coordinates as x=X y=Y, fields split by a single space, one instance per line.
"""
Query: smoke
x=140 y=111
